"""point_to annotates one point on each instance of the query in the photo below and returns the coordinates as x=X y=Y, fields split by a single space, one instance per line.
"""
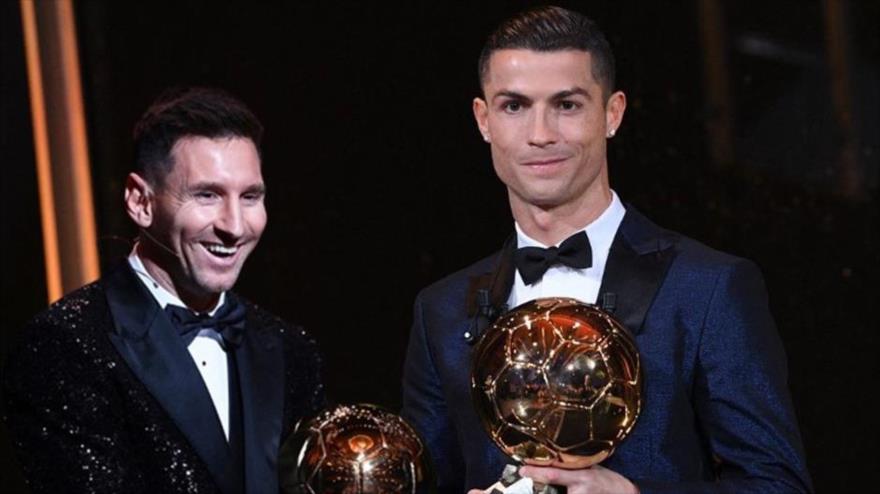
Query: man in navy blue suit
x=717 y=415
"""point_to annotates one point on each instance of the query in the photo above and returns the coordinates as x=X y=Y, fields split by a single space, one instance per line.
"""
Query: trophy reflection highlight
x=354 y=449
x=557 y=382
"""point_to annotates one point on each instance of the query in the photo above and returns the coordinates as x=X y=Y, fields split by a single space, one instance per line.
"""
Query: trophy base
x=512 y=483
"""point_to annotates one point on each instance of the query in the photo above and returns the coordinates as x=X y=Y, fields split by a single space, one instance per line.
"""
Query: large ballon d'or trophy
x=558 y=383
x=354 y=449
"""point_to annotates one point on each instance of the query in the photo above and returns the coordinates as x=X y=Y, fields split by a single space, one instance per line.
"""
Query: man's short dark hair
x=188 y=112
x=553 y=29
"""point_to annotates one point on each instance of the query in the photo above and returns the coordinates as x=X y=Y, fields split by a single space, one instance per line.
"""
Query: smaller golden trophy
x=354 y=449
x=558 y=383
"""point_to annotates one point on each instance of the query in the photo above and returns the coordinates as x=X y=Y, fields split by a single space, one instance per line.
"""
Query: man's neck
x=552 y=225
x=197 y=303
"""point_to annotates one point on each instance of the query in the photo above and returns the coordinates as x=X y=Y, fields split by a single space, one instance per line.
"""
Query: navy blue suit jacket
x=716 y=416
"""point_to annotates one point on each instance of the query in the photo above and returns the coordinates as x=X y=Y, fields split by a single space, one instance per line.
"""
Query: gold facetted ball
x=557 y=382
x=354 y=449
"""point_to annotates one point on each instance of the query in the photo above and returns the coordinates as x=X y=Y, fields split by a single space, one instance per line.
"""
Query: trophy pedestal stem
x=512 y=483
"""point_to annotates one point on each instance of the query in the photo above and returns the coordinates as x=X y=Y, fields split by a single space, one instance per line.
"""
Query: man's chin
x=215 y=286
x=546 y=196
x=218 y=287
x=544 y=201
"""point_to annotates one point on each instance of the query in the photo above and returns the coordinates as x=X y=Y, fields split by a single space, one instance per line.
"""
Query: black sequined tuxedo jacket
x=102 y=396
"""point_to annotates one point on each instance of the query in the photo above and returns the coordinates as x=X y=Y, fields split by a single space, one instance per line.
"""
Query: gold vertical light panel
x=850 y=179
x=61 y=149
x=719 y=125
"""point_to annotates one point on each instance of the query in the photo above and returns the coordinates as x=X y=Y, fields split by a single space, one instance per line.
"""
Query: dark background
x=379 y=183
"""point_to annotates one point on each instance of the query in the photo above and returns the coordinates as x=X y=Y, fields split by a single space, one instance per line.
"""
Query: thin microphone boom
x=160 y=244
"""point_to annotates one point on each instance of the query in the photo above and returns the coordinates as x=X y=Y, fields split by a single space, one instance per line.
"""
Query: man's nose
x=231 y=221
x=543 y=129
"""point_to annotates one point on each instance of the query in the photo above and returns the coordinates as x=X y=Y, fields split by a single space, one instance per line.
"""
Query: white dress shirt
x=564 y=281
x=206 y=348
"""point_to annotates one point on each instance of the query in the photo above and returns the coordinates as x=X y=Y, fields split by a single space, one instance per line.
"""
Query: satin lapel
x=500 y=291
x=261 y=373
x=497 y=282
x=150 y=345
x=637 y=263
x=488 y=291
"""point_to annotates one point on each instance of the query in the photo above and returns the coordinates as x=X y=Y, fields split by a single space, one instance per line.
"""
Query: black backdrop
x=379 y=183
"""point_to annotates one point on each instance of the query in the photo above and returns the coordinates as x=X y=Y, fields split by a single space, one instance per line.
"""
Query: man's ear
x=139 y=200
x=614 y=109
x=481 y=115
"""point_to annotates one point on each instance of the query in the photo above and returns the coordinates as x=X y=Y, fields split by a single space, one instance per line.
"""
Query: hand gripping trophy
x=556 y=382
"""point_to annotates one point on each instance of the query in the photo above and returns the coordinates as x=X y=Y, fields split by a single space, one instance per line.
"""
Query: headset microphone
x=160 y=244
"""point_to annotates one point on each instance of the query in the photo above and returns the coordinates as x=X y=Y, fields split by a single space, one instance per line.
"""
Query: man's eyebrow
x=256 y=189
x=573 y=92
x=510 y=94
x=566 y=93
x=204 y=185
x=209 y=185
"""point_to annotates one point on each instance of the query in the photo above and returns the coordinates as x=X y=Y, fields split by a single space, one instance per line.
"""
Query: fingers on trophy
x=558 y=383
x=354 y=449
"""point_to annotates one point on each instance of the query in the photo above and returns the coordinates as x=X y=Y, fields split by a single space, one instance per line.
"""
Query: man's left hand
x=594 y=480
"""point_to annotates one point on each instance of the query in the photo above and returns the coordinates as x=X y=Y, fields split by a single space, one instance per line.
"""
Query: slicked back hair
x=188 y=112
x=547 y=29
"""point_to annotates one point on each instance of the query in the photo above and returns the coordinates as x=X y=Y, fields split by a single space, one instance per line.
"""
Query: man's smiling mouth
x=220 y=250
x=545 y=161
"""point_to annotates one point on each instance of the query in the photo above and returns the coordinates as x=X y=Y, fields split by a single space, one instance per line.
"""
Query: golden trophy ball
x=354 y=449
x=556 y=382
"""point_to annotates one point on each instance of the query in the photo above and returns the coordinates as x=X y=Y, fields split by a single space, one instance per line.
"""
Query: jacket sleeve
x=66 y=426
x=425 y=407
x=741 y=396
x=309 y=357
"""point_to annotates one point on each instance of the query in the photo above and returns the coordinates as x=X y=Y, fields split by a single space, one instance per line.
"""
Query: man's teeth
x=220 y=250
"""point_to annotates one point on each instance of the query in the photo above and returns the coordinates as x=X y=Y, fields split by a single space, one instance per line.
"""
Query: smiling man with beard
x=158 y=378
x=717 y=416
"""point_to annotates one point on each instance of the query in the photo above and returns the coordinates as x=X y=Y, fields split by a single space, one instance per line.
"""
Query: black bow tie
x=533 y=262
x=228 y=321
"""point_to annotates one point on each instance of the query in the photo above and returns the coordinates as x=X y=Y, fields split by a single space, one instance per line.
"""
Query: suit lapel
x=637 y=263
x=487 y=292
x=261 y=374
x=149 y=344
